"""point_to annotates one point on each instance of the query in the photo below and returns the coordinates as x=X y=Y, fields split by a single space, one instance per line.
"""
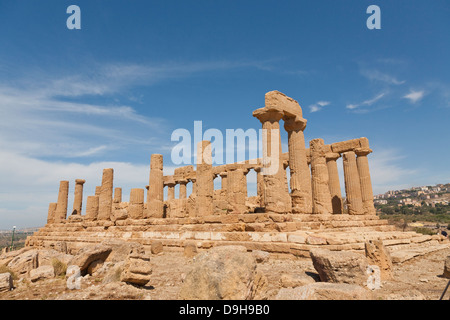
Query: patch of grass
x=59 y=267
x=426 y=231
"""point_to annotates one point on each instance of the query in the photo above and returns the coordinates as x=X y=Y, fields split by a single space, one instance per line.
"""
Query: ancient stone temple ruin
x=283 y=219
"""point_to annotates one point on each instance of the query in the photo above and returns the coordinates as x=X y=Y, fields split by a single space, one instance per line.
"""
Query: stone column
x=136 y=205
x=300 y=182
x=237 y=190
x=51 y=212
x=170 y=189
x=106 y=195
x=333 y=182
x=61 y=206
x=224 y=183
x=78 y=197
x=155 y=201
x=194 y=186
x=183 y=192
x=321 y=197
x=98 y=190
x=205 y=180
x=276 y=198
x=364 y=177
x=352 y=184
x=117 y=195
x=92 y=208
x=260 y=186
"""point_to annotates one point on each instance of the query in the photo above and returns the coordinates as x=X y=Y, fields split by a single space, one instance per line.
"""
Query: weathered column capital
x=80 y=181
x=182 y=181
x=363 y=151
x=295 y=124
x=223 y=174
x=332 y=156
x=271 y=115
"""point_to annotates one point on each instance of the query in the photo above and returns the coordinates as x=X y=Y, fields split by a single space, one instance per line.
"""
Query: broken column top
x=277 y=101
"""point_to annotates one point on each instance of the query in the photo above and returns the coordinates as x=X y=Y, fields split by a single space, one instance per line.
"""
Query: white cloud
x=366 y=103
x=387 y=171
x=415 y=96
x=318 y=106
x=377 y=75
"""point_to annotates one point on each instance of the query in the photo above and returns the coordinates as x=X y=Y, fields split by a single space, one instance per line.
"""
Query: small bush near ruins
x=59 y=267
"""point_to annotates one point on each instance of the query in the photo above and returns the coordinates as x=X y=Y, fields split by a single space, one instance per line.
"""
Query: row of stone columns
x=314 y=189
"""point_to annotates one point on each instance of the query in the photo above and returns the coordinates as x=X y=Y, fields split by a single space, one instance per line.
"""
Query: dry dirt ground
x=419 y=278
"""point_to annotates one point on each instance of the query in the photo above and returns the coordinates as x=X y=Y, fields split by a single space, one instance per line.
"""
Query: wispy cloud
x=366 y=103
x=376 y=75
x=318 y=106
x=415 y=96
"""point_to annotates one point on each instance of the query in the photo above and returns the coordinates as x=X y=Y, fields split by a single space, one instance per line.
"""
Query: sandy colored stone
x=92 y=206
x=224 y=273
x=106 y=195
x=137 y=269
x=236 y=188
x=136 y=205
x=51 y=212
x=89 y=254
x=157 y=247
x=61 y=207
x=155 y=201
x=6 y=282
x=190 y=250
x=321 y=197
x=42 y=272
x=325 y=291
x=276 y=197
x=377 y=254
x=295 y=280
x=24 y=262
x=365 y=181
x=300 y=175
x=352 y=184
x=205 y=183
x=340 y=266
x=78 y=197
x=334 y=183
x=117 y=195
x=447 y=268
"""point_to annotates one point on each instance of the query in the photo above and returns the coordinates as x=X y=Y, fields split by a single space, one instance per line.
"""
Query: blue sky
x=73 y=102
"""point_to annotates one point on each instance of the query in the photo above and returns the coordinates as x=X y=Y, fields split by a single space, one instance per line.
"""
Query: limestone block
x=25 y=262
x=340 y=266
x=136 y=205
x=224 y=273
x=295 y=280
x=92 y=206
x=89 y=254
x=325 y=291
x=190 y=249
x=157 y=247
x=137 y=269
x=42 y=272
x=377 y=254
x=6 y=282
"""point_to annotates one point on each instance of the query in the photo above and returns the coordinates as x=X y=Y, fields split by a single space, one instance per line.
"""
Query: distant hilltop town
x=429 y=196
